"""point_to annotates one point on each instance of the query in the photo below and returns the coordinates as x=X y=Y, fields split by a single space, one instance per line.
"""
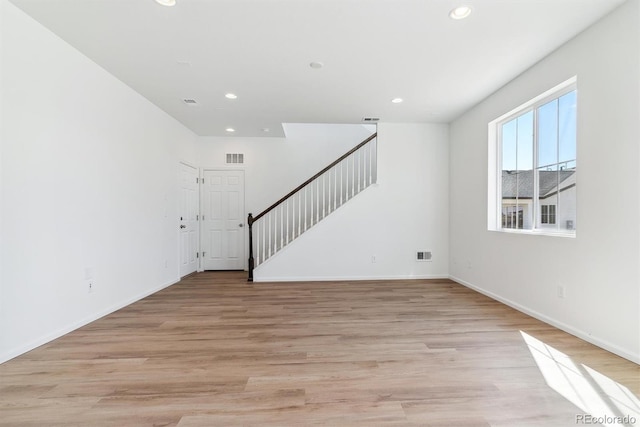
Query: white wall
x=406 y=211
x=88 y=189
x=599 y=268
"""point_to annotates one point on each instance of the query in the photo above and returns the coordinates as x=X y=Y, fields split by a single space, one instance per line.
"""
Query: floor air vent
x=423 y=256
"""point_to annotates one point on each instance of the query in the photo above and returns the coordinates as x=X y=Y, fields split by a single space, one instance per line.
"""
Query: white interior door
x=223 y=220
x=188 y=212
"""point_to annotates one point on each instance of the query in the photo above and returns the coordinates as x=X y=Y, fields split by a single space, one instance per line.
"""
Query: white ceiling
x=372 y=50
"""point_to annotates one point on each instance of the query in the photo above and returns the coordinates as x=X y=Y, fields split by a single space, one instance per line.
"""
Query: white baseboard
x=602 y=343
x=346 y=278
x=83 y=322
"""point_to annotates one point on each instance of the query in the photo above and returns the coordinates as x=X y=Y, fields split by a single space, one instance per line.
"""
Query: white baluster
x=265 y=237
x=291 y=224
x=275 y=231
x=353 y=176
x=293 y=216
x=328 y=191
x=356 y=158
x=375 y=160
x=286 y=209
x=256 y=233
x=363 y=171
x=369 y=163
x=299 y=212
x=318 y=195
x=260 y=241
x=312 y=204
x=341 y=165
x=324 y=195
x=263 y=247
x=268 y=231
x=332 y=184
x=263 y=242
x=365 y=167
x=335 y=187
x=345 y=179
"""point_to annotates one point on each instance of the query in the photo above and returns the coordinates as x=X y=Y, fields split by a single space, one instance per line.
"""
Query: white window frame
x=494 y=199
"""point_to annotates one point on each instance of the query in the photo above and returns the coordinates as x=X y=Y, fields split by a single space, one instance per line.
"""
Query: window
x=512 y=216
x=534 y=164
x=548 y=214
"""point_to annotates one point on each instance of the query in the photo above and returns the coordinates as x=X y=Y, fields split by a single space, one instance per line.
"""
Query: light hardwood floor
x=214 y=350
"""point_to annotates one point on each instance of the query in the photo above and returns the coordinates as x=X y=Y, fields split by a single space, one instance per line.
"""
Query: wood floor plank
x=216 y=350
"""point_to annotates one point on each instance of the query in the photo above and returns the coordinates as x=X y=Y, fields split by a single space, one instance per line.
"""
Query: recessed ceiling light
x=230 y=130
x=460 y=12
x=316 y=65
x=231 y=96
x=396 y=100
x=166 y=2
x=265 y=130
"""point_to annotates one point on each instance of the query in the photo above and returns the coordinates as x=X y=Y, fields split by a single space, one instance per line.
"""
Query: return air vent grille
x=370 y=119
x=423 y=256
x=235 y=158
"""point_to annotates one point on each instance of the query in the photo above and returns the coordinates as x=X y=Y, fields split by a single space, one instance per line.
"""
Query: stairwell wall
x=376 y=234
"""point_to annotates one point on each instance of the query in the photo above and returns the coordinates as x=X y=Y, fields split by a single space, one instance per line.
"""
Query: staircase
x=309 y=203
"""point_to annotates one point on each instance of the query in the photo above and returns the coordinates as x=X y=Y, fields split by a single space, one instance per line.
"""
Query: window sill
x=551 y=233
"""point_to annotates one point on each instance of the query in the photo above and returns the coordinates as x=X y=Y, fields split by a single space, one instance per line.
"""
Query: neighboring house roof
x=522 y=181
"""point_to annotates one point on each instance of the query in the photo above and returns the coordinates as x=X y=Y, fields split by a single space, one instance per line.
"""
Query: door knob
x=183 y=226
x=240 y=225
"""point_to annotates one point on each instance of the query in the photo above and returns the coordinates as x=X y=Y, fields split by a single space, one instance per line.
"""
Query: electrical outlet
x=90 y=286
x=373 y=259
x=561 y=291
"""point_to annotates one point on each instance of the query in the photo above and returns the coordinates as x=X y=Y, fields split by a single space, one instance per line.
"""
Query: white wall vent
x=370 y=119
x=190 y=101
x=235 y=158
x=423 y=256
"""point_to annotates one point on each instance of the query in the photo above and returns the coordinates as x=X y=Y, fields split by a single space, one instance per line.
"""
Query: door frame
x=198 y=213
x=245 y=262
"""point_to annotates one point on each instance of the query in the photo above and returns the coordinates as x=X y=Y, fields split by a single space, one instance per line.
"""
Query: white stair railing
x=284 y=221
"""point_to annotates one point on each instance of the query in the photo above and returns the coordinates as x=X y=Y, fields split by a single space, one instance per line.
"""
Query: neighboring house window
x=534 y=165
x=512 y=217
x=548 y=214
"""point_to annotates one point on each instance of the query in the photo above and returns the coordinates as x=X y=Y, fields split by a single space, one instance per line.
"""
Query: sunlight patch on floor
x=597 y=395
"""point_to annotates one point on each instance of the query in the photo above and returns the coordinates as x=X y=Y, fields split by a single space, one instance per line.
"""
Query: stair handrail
x=251 y=219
